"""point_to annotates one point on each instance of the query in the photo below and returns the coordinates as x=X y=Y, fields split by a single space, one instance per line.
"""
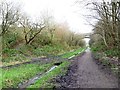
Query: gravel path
x=87 y=74
x=90 y=76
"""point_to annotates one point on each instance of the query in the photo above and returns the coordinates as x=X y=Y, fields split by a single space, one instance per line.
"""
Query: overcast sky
x=62 y=10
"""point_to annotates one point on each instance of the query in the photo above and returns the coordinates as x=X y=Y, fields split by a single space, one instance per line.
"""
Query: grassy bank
x=108 y=57
x=25 y=53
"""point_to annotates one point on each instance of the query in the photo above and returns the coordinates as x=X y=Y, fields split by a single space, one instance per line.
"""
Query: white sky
x=62 y=10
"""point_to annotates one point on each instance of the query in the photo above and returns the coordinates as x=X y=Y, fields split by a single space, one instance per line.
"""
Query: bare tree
x=50 y=23
x=9 y=15
x=107 y=15
x=31 y=30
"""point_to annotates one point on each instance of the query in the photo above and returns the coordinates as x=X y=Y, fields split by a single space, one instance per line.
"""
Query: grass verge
x=108 y=58
x=44 y=81
x=69 y=54
x=13 y=76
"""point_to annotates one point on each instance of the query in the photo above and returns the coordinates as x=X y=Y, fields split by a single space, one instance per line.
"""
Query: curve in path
x=90 y=76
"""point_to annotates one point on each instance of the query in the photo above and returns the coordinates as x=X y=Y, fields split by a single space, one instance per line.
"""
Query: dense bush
x=41 y=40
x=11 y=40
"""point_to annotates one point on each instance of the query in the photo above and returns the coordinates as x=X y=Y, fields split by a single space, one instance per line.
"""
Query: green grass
x=110 y=52
x=44 y=81
x=49 y=50
x=19 y=58
x=101 y=53
x=69 y=54
x=13 y=56
x=13 y=76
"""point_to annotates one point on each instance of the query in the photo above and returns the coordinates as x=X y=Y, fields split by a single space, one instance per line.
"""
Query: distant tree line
x=107 y=28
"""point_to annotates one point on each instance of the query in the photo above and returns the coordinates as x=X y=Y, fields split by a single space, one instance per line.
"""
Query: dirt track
x=85 y=73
